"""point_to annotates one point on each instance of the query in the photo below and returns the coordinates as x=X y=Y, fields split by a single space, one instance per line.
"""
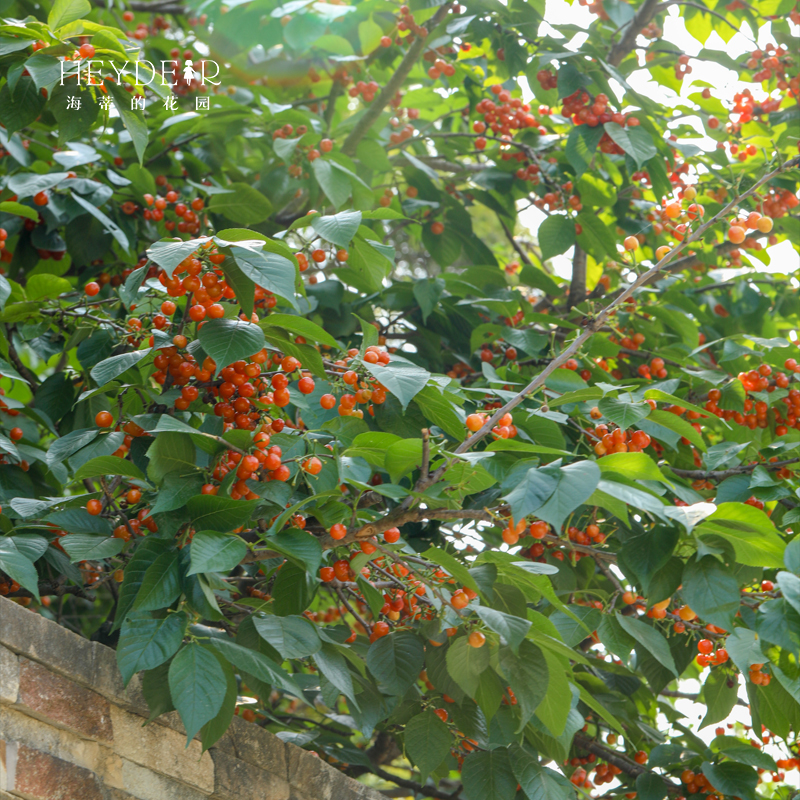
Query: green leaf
x=791 y=556
x=729 y=778
x=633 y=466
x=396 y=661
x=790 y=587
x=300 y=326
x=333 y=182
x=133 y=121
x=466 y=663
x=555 y=235
x=291 y=636
x=570 y=79
x=168 y=253
x=19 y=210
x=455 y=567
x=402 y=379
x=271 y=271
x=20 y=108
x=11 y=44
x=651 y=639
x=621 y=412
x=512 y=629
x=197 y=685
x=155 y=688
x=528 y=676
x=737 y=750
x=243 y=205
x=339 y=229
x=533 y=490
x=17 y=566
x=244 y=288
x=488 y=775
x=427 y=742
x=229 y=340
x=711 y=591
x=636 y=142
x=719 y=697
x=161 y=584
x=333 y=665
x=145 y=643
x=215 y=728
x=650 y=786
x=299 y=547
x=754 y=537
x=147 y=551
x=108 y=465
x=675 y=423
x=212 y=551
x=171 y=453
x=596 y=238
x=212 y=513
x=255 y=663
x=113 y=367
x=65 y=11
x=538 y=782
x=575 y=485
x=88 y=547
x=554 y=709
x=427 y=293
x=581 y=146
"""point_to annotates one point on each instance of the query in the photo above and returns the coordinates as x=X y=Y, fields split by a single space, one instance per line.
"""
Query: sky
x=783 y=257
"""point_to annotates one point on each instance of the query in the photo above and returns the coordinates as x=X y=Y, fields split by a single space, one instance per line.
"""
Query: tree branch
x=372 y=113
x=620 y=760
x=510 y=236
x=577 y=287
x=646 y=12
x=721 y=474
x=597 y=323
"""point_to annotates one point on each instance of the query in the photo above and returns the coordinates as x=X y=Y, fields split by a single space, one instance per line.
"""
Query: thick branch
x=577 y=287
x=372 y=113
x=619 y=760
x=646 y=12
x=21 y=368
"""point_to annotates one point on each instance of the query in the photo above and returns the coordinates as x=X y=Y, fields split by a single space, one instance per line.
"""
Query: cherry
x=391 y=535
x=103 y=419
x=94 y=507
x=338 y=531
x=476 y=639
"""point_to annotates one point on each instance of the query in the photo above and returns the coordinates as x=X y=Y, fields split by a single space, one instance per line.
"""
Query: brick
x=255 y=746
x=144 y=784
x=16 y=726
x=309 y=774
x=51 y=696
x=163 y=750
x=107 y=681
x=39 y=639
x=9 y=676
x=38 y=775
x=235 y=779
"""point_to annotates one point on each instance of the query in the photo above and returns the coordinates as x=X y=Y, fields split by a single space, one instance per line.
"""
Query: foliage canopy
x=299 y=419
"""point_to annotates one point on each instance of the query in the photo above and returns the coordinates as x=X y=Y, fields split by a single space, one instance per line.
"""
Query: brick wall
x=70 y=731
